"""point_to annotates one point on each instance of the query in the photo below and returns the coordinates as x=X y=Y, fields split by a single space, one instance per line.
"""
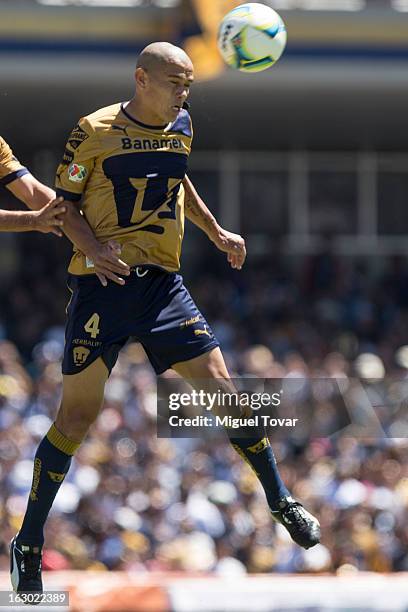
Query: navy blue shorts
x=153 y=308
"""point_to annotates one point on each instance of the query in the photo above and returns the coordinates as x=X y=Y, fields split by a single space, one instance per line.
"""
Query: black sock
x=257 y=452
x=51 y=463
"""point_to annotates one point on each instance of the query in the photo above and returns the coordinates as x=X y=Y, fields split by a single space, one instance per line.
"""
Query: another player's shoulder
x=6 y=154
x=183 y=124
x=102 y=119
x=10 y=167
x=5 y=150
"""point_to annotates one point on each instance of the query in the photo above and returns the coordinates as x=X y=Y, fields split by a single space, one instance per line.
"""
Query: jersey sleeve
x=78 y=161
x=10 y=167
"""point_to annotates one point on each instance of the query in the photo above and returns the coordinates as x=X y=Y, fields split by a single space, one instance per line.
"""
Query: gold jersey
x=10 y=167
x=129 y=177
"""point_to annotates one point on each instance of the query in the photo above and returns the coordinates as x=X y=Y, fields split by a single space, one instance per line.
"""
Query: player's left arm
x=197 y=212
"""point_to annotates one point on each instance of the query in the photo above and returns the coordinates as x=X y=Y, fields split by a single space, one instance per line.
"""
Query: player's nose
x=182 y=94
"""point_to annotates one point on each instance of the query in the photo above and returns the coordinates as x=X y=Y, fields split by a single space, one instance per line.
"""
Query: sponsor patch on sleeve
x=67 y=157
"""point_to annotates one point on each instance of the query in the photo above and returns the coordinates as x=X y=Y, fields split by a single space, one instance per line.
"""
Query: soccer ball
x=251 y=37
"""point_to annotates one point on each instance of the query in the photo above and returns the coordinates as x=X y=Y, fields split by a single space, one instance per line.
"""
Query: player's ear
x=141 y=78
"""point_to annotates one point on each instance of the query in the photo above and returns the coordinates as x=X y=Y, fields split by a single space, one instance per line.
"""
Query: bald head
x=163 y=76
x=160 y=54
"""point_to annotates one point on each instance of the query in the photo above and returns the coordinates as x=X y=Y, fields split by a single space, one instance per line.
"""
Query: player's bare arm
x=198 y=213
x=29 y=190
x=47 y=212
x=47 y=219
x=104 y=257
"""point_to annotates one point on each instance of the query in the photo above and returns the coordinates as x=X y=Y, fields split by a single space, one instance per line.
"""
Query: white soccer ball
x=252 y=37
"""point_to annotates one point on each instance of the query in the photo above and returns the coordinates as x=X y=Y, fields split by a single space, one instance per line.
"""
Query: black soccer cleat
x=25 y=567
x=303 y=527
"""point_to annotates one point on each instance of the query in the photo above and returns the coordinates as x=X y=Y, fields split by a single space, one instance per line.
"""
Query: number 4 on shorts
x=92 y=325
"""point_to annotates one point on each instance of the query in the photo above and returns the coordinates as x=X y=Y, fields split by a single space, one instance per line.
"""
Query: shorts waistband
x=142 y=270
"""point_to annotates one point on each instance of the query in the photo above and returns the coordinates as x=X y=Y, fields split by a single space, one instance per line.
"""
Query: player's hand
x=108 y=265
x=48 y=218
x=233 y=245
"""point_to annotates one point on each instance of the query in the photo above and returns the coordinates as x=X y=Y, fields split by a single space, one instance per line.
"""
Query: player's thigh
x=209 y=365
x=82 y=398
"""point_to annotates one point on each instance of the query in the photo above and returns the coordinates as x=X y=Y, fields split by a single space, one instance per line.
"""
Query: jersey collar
x=144 y=125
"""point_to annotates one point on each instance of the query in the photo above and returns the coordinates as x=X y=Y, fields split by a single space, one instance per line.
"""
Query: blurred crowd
x=133 y=501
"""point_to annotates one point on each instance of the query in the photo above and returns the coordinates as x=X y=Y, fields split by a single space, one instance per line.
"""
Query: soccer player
x=127 y=166
x=26 y=188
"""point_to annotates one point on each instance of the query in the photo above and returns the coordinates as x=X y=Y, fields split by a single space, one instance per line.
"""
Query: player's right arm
x=105 y=257
x=72 y=176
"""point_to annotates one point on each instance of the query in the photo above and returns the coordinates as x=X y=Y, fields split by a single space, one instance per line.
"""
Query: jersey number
x=92 y=325
x=156 y=193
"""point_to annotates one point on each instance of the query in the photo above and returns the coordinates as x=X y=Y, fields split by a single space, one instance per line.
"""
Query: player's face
x=169 y=88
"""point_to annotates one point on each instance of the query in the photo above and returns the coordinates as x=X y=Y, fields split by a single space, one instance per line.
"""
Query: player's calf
x=51 y=464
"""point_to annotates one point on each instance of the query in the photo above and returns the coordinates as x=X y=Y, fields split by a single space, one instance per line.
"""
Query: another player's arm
x=198 y=213
x=46 y=215
x=44 y=220
x=29 y=190
x=46 y=212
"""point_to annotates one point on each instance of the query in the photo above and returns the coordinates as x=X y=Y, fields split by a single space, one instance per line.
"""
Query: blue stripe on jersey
x=182 y=124
x=139 y=165
x=68 y=195
x=13 y=176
